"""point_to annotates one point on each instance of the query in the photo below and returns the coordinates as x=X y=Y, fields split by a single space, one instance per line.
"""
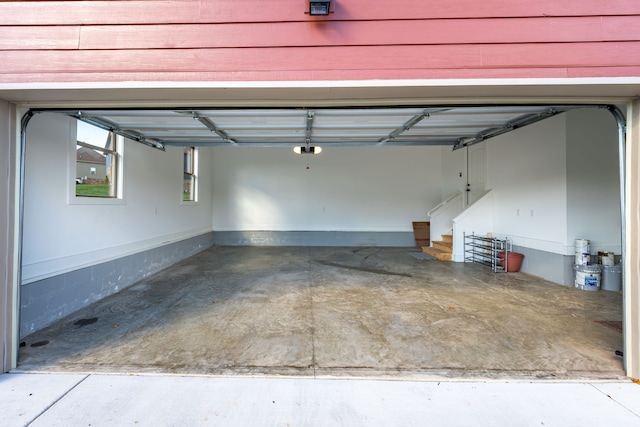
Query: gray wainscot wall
x=313 y=238
x=45 y=301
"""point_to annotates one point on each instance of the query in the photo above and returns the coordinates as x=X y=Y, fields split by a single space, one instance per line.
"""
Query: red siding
x=225 y=11
x=244 y=40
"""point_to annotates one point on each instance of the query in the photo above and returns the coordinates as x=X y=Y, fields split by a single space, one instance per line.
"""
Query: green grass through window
x=95 y=190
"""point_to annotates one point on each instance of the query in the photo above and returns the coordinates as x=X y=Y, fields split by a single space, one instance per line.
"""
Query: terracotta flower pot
x=514 y=261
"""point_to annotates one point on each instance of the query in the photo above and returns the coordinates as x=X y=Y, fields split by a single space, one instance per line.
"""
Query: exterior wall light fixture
x=319 y=8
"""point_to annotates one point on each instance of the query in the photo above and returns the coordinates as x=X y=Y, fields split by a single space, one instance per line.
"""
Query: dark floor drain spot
x=40 y=343
x=84 y=322
x=23 y=344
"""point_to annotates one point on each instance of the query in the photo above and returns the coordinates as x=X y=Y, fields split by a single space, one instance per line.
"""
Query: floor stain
x=84 y=322
x=365 y=269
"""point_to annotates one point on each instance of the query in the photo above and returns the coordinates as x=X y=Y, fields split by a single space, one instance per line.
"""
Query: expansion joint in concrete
x=57 y=400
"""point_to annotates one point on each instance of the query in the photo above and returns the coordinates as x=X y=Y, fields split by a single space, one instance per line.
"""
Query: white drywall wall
x=476 y=219
x=345 y=189
x=556 y=181
x=593 y=183
x=60 y=237
x=454 y=172
x=527 y=171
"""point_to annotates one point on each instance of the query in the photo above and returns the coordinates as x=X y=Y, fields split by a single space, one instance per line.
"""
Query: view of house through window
x=189 y=175
x=96 y=162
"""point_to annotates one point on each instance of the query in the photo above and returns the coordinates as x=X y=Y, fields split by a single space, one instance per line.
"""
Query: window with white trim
x=97 y=162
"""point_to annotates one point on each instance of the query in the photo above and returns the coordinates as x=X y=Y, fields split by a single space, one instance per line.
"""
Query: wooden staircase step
x=442 y=245
x=447 y=238
x=437 y=253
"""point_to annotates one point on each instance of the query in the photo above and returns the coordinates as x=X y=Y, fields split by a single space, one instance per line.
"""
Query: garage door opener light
x=307 y=150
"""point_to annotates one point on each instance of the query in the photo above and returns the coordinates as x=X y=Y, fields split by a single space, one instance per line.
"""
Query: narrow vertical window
x=189 y=184
x=96 y=162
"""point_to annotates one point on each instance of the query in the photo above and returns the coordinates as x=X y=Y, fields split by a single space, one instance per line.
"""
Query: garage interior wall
x=527 y=171
x=75 y=254
x=554 y=182
x=593 y=180
x=454 y=172
x=362 y=196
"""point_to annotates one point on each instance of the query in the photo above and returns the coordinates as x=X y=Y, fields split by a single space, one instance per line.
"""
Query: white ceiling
x=287 y=127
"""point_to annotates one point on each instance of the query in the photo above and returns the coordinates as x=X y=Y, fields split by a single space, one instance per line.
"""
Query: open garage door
x=309 y=128
x=457 y=127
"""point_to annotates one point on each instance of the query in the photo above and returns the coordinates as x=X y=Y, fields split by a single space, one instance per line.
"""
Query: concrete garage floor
x=345 y=312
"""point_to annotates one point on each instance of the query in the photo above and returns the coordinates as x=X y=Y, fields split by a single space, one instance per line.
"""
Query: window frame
x=193 y=174
x=117 y=153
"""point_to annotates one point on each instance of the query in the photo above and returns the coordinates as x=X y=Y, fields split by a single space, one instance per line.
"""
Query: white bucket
x=612 y=278
x=588 y=277
x=609 y=259
x=583 y=254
